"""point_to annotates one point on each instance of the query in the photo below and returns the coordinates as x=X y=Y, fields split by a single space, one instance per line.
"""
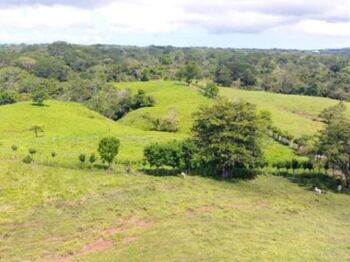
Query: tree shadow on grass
x=312 y=180
x=160 y=172
x=39 y=105
x=237 y=174
x=100 y=166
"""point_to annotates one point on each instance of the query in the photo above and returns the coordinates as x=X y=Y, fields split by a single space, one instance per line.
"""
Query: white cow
x=339 y=188
x=317 y=190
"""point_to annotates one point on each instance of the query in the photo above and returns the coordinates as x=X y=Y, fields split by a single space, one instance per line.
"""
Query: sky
x=292 y=24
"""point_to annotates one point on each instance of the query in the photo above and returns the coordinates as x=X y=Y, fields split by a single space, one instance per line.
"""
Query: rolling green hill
x=69 y=129
x=293 y=113
x=58 y=210
x=186 y=100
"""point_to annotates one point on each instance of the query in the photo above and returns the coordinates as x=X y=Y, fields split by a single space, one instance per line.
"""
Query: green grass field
x=57 y=214
x=69 y=129
x=57 y=210
x=184 y=99
x=292 y=113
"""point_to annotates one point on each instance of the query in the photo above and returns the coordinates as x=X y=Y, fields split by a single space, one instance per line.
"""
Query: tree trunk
x=226 y=172
x=347 y=180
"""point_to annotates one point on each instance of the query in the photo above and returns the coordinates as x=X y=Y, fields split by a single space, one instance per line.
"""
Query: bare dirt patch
x=210 y=208
x=105 y=241
x=127 y=224
x=202 y=209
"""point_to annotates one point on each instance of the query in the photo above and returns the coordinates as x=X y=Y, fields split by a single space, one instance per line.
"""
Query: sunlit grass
x=49 y=213
x=55 y=208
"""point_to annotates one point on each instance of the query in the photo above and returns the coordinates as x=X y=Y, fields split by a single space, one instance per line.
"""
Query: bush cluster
x=175 y=154
x=294 y=164
x=169 y=123
x=7 y=98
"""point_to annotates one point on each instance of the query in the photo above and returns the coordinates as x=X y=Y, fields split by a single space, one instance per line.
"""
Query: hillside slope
x=60 y=210
x=69 y=129
x=184 y=99
x=293 y=113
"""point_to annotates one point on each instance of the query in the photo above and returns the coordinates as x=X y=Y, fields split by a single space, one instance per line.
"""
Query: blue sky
x=300 y=24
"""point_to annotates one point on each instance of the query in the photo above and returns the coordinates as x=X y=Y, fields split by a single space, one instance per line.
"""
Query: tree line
x=83 y=73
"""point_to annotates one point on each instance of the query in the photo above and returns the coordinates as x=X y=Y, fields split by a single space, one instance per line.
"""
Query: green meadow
x=59 y=210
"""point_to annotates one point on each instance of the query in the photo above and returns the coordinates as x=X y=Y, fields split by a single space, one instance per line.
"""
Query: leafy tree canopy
x=228 y=135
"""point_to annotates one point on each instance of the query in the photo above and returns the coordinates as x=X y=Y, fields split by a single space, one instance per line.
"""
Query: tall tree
x=189 y=72
x=228 y=135
x=334 y=140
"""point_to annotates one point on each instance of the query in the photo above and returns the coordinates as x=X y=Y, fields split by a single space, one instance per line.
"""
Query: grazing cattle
x=339 y=188
x=183 y=174
x=317 y=190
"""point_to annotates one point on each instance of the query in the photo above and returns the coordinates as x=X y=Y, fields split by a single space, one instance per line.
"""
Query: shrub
x=210 y=90
x=141 y=100
x=7 y=98
x=295 y=164
x=53 y=154
x=308 y=165
x=153 y=155
x=287 y=165
x=173 y=154
x=32 y=151
x=14 y=148
x=188 y=154
x=28 y=159
x=82 y=158
x=170 y=123
x=108 y=149
x=92 y=158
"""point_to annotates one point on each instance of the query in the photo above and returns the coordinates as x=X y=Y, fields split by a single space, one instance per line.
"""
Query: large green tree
x=334 y=141
x=189 y=72
x=228 y=135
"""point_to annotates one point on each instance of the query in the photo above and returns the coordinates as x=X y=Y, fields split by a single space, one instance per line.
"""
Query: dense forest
x=83 y=73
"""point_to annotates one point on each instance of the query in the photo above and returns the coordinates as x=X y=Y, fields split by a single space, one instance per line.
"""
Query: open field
x=57 y=210
x=57 y=214
x=293 y=113
x=69 y=129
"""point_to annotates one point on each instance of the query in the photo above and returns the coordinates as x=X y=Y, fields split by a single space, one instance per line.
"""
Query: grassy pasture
x=53 y=210
x=69 y=129
x=186 y=100
x=293 y=113
x=58 y=214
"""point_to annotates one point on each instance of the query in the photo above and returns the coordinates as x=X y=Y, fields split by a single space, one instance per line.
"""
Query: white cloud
x=322 y=17
x=142 y=16
x=324 y=28
x=44 y=16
